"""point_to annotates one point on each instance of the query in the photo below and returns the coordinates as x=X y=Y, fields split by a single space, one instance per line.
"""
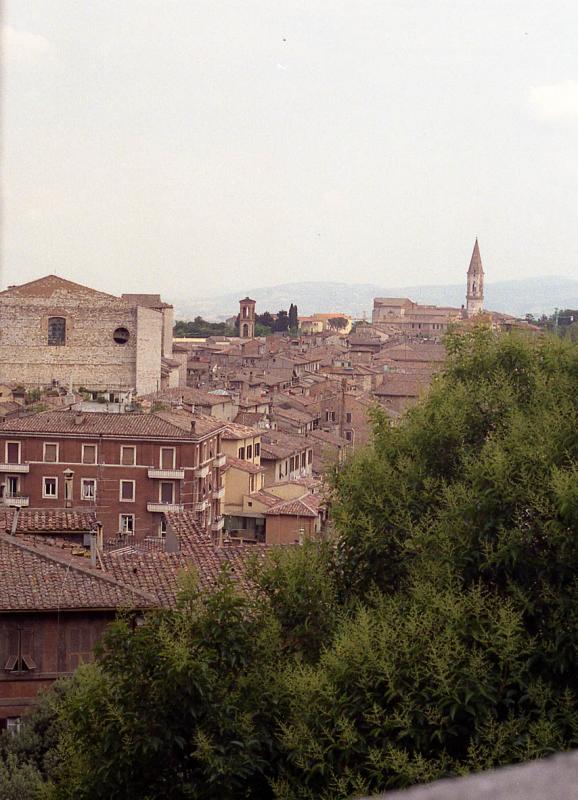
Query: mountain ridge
x=536 y=296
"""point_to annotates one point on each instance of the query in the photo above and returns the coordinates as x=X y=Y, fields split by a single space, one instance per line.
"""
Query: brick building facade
x=130 y=469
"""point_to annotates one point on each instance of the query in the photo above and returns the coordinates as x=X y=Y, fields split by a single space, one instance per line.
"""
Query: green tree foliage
x=178 y=707
x=436 y=635
x=338 y=323
x=281 y=324
x=293 y=318
x=458 y=533
x=200 y=328
x=299 y=584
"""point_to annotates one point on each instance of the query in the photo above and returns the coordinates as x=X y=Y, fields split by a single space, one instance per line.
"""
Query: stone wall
x=149 y=350
x=90 y=356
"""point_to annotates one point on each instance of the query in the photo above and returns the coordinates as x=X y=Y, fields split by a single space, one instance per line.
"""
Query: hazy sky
x=187 y=146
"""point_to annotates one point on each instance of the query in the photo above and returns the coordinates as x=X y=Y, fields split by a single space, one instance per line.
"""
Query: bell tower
x=475 y=290
x=247 y=318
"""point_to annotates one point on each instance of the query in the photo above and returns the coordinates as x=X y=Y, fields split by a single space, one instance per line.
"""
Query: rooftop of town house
x=329 y=437
x=244 y=466
x=35 y=577
x=134 y=574
x=235 y=430
x=188 y=395
x=277 y=444
x=158 y=425
x=305 y=506
x=401 y=385
x=250 y=419
x=41 y=520
x=297 y=415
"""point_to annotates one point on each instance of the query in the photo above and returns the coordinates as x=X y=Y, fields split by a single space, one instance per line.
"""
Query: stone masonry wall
x=90 y=357
x=149 y=350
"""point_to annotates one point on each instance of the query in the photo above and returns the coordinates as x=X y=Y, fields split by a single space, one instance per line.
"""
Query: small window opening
x=121 y=335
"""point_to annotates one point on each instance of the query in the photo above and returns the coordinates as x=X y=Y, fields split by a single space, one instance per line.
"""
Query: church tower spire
x=475 y=290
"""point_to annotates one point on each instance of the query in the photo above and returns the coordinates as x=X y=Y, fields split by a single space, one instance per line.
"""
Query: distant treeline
x=265 y=324
x=564 y=323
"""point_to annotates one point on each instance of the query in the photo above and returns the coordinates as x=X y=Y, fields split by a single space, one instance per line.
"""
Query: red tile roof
x=34 y=577
x=299 y=507
x=165 y=425
x=159 y=573
x=31 y=520
x=244 y=466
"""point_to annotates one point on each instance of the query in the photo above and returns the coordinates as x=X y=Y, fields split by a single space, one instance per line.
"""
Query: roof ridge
x=41 y=552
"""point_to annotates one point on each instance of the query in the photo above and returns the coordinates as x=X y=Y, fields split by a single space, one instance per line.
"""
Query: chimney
x=193 y=425
x=78 y=419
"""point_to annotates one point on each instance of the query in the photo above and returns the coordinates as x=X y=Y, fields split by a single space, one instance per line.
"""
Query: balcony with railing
x=166 y=474
x=218 y=494
x=218 y=524
x=220 y=460
x=200 y=505
x=160 y=506
x=16 y=500
x=14 y=468
x=202 y=471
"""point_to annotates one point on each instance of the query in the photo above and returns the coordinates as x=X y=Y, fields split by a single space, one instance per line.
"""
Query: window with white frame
x=167 y=457
x=167 y=492
x=13 y=450
x=127 y=491
x=89 y=454
x=128 y=455
x=49 y=487
x=88 y=488
x=50 y=452
x=163 y=527
x=126 y=523
x=12 y=485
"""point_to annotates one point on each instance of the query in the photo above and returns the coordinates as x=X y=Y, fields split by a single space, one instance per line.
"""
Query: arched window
x=245 y=333
x=56 y=330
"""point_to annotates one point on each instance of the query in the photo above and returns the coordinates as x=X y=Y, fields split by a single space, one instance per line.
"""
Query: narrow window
x=310 y=456
x=257 y=449
x=167 y=492
x=88 y=488
x=128 y=456
x=249 y=452
x=13 y=452
x=348 y=417
x=12 y=486
x=56 y=331
x=241 y=452
x=167 y=457
x=126 y=522
x=89 y=454
x=50 y=452
x=20 y=649
x=127 y=491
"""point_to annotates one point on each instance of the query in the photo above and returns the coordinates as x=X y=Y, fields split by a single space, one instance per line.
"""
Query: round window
x=121 y=335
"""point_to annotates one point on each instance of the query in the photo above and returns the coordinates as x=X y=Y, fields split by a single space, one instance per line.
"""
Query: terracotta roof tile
x=166 y=425
x=35 y=578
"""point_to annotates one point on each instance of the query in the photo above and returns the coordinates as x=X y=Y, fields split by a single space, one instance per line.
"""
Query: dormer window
x=56 y=331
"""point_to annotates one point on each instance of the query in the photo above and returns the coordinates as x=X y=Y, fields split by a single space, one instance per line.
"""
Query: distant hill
x=528 y=296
